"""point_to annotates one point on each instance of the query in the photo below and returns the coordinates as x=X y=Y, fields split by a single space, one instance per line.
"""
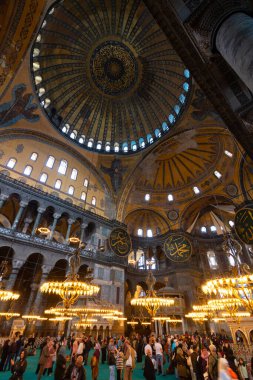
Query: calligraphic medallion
x=244 y=225
x=178 y=248
x=120 y=242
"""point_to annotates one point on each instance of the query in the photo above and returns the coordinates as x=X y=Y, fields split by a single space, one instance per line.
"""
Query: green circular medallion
x=120 y=242
x=244 y=225
x=178 y=248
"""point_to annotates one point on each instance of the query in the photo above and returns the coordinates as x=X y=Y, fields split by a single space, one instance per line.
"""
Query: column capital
x=71 y=221
x=46 y=269
x=23 y=204
x=56 y=215
x=41 y=210
x=84 y=225
x=17 y=264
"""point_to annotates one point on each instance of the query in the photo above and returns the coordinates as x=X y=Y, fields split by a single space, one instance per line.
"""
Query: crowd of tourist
x=187 y=357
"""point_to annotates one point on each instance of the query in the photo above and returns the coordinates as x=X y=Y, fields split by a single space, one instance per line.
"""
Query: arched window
x=63 y=167
x=170 y=198
x=165 y=126
x=36 y=66
x=85 y=182
x=42 y=91
x=73 y=134
x=213 y=228
x=38 y=79
x=65 y=128
x=186 y=86
x=43 y=178
x=196 y=190
x=83 y=196
x=203 y=229
x=81 y=139
x=150 y=139
x=74 y=174
x=36 y=52
x=34 y=156
x=57 y=184
x=149 y=233
x=11 y=163
x=28 y=170
x=93 y=201
x=107 y=147
x=71 y=190
x=140 y=232
x=147 y=197
x=187 y=73
x=231 y=223
x=46 y=102
x=157 y=133
x=133 y=146
x=125 y=147
x=171 y=119
x=99 y=145
x=217 y=174
x=90 y=143
x=212 y=260
x=116 y=147
x=182 y=98
x=141 y=142
x=227 y=153
x=50 y=162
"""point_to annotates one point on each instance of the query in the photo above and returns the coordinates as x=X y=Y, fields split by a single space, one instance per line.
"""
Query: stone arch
x=94 y=331
x=240 y=337
x=6 y=255
x=29 y=216
x=100 y=332
x=11 y=207
x=57 y=273
x=82 y=271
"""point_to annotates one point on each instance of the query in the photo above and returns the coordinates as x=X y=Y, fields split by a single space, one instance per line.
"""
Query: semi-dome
x=107 y=76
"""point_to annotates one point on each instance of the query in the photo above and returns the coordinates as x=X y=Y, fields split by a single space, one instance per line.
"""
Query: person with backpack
x=213 y=363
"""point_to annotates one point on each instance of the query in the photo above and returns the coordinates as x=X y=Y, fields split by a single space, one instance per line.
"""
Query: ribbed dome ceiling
x=106 y=74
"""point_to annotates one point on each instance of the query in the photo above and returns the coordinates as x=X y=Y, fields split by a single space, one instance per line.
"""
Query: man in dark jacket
x=149 y=369
x=76 y=371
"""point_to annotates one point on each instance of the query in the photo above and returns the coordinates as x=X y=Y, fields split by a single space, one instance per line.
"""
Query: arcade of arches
x=134 y=115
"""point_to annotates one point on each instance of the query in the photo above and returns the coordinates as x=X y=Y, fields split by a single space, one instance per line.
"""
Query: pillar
x=3 y=198
x=234 y=41
x=19 y=214
x=70 y=222
x=27 y=221
x=37 y=301
x=83 y=226
x=30 y=305
x=16 y=265
x=37 y=220
x=56 y=217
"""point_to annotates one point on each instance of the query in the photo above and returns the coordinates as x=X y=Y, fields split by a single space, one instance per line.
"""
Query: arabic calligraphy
x=120 y=242
x=178 y=248
x=244 y=225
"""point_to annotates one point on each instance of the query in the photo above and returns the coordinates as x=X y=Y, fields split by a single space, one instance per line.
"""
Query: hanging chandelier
x=71 y=289
x=8 y=315
x=151 y=302
x=8 y=295
x=79 y=311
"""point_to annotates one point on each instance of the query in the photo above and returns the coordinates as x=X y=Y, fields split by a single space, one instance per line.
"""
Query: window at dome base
x=142 y=93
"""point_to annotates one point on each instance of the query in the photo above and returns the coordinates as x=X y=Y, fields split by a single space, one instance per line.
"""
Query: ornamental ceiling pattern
x=107 y=76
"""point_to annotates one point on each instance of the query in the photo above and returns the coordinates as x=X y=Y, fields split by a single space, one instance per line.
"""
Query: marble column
x=3 y=198
x=30 y=305
x=38 y=298
x=70 y=222
x=234 y=41
x=37 y=220
x=27 y=221
x=56 y=217
x=83 y=226
x=16 y=265
x=19 y=214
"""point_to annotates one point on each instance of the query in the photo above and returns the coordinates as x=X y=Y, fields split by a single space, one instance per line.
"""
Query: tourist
x=159 y=357
x=11 y=354
x=18 y=368
x=223 y=370
x=103 y=351
x=212 y=363
x=149 y=368
x=94 y=364
x=112 y=363
x=119 y=365
x=4 y=355
x=183 y=370
x=242 y=370
x=60 y=363
x=76 y=371
x=129 y=356
x=45 y=354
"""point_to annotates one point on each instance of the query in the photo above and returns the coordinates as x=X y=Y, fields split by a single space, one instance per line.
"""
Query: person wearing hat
x=213 y=363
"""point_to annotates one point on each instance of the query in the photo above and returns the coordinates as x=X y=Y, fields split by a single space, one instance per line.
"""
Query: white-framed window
x=93 y=201
x=71 y=190
x=212 y=260
x=217 y=174
x=140 y=232
x=63 y=167
x=50 y=162
x=34 y=156
x=28 y=170
x=147 y=197
x=74 y=174
x=85 y=182
x=203 y=229
x=170 y=198
x=57 y=184
x=227 y=153
x=83 y=196
x=196 y=190
x=43 y=177
x=11 y=163
x=149 y=233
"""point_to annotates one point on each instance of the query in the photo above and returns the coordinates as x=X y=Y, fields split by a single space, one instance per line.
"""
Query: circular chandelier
x=70 y=289
x=8 y=295
x=8 y=315
x=79 y=311
x=239 y=287
x=151 y=302
x=31 y=317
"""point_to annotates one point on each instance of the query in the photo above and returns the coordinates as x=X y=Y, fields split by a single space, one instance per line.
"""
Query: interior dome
x=139 y=222
x=107 y=76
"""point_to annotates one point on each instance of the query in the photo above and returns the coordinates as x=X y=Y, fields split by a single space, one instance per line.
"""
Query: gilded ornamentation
x=120 y=242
